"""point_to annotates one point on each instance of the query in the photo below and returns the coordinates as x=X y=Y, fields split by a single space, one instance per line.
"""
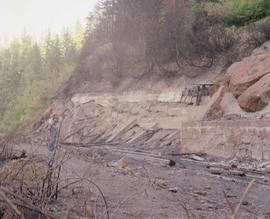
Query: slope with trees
x=158 y=34
x=31 y=72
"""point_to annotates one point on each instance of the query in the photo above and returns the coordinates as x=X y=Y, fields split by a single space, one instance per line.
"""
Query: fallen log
x=122 y=130
x=151 y=158
x=147 y=156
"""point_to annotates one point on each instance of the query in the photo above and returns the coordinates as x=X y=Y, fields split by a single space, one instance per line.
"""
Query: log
x=122 y=130
x=151 y=158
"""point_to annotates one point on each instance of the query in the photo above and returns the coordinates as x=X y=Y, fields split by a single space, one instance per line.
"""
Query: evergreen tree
x=31 y=72
x=70 y=52
x=79 y=34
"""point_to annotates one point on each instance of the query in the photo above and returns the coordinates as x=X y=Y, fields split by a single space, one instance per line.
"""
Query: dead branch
x=67 y=213
x=247 y=191
x=73 y=133
x=228 y=202
x=100 y=192
x=11 y=205
x=23 y=166
x=121 y=203
x=102 y=195
x=95 y=207
x=57 y=184
x=25 y=203
x=186 y=210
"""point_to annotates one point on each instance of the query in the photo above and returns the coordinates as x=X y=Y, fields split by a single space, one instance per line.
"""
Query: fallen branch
x=25 y=203
x=99 y=190
x=118 y=206
x=144 y=156
x=73 y=133
x=186 y=210
x=247 y=190
x=102 y=195
x=147 y=156
x=11 y=205
x=228 y=202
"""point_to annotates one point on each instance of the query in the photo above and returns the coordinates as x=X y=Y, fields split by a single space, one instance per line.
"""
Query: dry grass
x=215 y=9
x=31 y=185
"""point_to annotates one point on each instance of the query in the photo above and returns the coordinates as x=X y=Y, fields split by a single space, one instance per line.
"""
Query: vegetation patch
x=31 y=73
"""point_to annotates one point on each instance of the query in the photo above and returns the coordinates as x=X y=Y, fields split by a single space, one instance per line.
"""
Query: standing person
x=53 y=121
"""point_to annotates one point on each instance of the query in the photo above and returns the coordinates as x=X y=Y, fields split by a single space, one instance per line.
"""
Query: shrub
x=242 y=12
x=258 y=33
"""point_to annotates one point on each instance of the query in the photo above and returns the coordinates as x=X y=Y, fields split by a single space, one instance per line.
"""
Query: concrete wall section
x=247 y=138
x=165 y=96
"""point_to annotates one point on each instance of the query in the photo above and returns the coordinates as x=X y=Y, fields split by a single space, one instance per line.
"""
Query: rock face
x=257 y=96
x=247 y=72
x=265 y=48
x=248 y=80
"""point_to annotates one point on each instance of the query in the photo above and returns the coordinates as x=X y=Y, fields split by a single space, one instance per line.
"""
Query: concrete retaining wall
x=165 y=96
x=227 y=138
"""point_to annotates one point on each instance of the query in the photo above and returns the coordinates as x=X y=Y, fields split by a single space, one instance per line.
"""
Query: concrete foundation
x=249 y=138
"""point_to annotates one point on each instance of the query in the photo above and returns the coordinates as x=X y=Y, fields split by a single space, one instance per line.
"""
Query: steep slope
x=147 y=112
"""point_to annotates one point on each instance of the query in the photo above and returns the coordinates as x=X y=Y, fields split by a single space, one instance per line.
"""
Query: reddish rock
x=256 y=97
x=247 y=72
x=265 y=48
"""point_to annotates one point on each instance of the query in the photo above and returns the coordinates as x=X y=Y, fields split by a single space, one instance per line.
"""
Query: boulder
x=243 y=74
x=265 y=48
x=257 y=96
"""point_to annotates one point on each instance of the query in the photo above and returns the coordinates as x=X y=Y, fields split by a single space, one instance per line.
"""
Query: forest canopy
x=31 y=73
x=186 y=32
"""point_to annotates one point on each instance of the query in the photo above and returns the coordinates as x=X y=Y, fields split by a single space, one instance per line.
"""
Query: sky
x=38 y=16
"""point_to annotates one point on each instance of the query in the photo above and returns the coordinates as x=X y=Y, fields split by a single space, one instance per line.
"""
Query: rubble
x=174 y=190
x=122 y=163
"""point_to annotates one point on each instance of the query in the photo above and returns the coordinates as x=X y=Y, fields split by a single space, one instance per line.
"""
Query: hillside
x=145 y=147
x=31 y=72
x=166 y=115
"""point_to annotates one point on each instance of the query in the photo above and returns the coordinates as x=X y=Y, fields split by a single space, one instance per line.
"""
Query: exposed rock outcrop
x=249 y=79
x=256 y=97
x=247 y=72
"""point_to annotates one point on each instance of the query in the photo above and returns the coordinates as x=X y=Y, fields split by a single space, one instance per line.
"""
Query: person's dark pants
x=53 y=136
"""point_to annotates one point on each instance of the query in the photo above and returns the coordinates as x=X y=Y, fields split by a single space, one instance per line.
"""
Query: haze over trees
x=31 y=72
x=191 y=32
x=124 y=34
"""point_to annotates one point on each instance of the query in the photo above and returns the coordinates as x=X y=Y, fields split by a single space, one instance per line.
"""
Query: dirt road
x=144 y=190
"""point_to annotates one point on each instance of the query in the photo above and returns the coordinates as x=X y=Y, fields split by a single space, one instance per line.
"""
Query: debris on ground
x=122 y=163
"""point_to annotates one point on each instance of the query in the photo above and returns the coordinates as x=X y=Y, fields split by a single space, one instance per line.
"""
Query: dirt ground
x=131 y=176
x=111 y=171
x=196 y=187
